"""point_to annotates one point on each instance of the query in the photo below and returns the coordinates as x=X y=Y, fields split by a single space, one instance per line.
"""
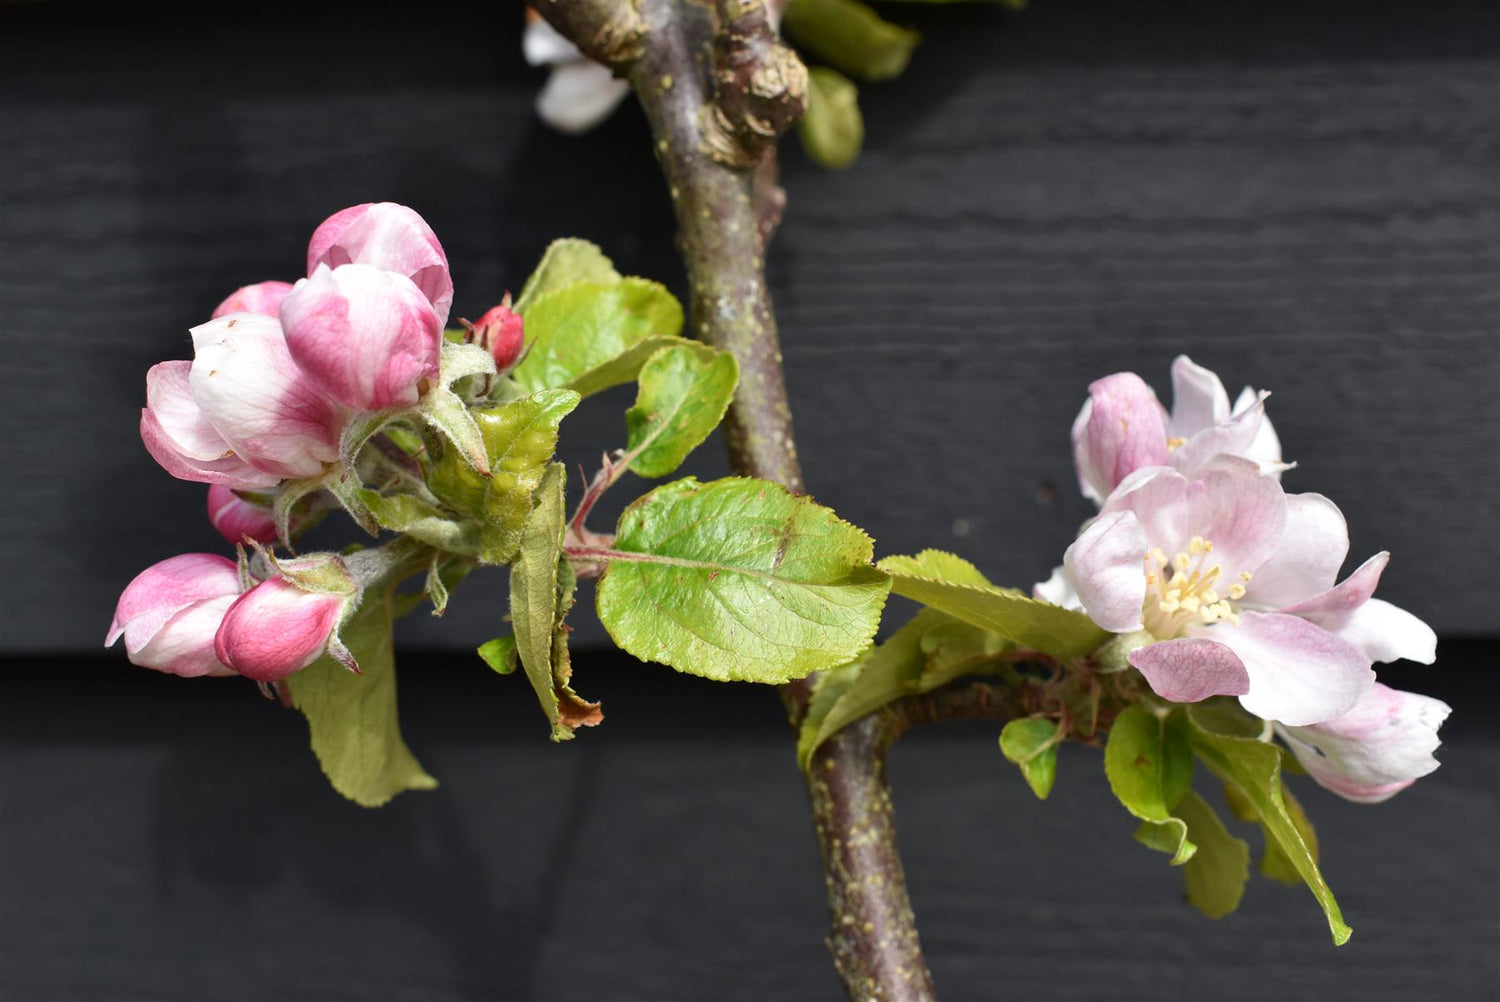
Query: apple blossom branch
x=715 y=132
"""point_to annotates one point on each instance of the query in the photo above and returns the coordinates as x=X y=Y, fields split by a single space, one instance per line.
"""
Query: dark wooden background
x=1302 y=196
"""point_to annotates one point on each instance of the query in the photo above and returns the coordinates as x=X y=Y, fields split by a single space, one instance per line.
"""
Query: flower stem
x=707 y=80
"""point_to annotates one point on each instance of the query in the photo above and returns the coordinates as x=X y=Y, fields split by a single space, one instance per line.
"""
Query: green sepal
x=682 y=399
x=519 y=439
x=832 y=130
x=739 y=580
x=446 y=413
x=499 y=654
x=580 y=327
x=1253 y=768
x=851 y=37
x=423 y=521
x=288 y=495
x=1149 y=765
x=352 y=719
x=566 y=262
x=1031 y=743
x=955 y=586
x=1215 y=878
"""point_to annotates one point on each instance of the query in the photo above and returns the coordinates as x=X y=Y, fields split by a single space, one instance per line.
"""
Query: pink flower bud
x=262 y=297
x=237 y=519
x=171 y=611
x=390 y=237
x=367 y=337
x=276 y=628
x=502 y=333
x=1120 y=429
x=180 y=437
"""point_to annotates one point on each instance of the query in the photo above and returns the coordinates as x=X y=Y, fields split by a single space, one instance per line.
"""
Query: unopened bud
x=501 y=332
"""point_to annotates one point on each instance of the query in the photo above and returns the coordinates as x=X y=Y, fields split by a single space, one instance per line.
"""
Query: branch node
x=760 y=86
x=607 y=31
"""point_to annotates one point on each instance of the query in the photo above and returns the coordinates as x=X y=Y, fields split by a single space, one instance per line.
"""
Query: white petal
x=543 y=44
x=1312 y=548
x=1299 y=673
x=1387 y=633
x=1058 y=590
x=1233 y=437
x=578 y=96
x=1189 y=669
x=1265 y=449
x=1199 y=399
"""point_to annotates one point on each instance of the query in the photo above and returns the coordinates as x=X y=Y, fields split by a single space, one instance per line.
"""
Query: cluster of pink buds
x=279 y=373
x=1224 y=584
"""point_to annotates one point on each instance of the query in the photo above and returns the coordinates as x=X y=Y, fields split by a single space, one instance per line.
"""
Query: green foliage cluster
x=740 y=580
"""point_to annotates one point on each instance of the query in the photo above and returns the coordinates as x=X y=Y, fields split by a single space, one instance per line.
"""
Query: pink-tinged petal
x=185 y=643
x=1106 y=567
x=237 y=519
x=275 y=629
x=264 y=406
x=262 y=297
x=1385 y=633
x=1233 y=437
x=1299 y=673
x=1241 y=512
x=366 y=337
x=1058 y=590
x=1343 y=598
x=542 y=44
x=169 y=397
x=229 y=470
x=579 y=95
x=1199 y=399
x=1120 y=431
x=1191 y=669
x=1158 y=497
x=1308 y=556
x=165 y=588
x=1382 y=745
x=389 y=237
x=1265 y=448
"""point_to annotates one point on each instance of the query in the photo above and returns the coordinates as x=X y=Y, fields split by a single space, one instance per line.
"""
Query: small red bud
x=502 y=333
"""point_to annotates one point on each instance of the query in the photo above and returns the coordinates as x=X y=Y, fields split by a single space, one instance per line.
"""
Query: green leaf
x=1150 y=766
x=739 y=579
x=681 y=400
x=832 y=129
x=566 y=262
x=1223 y=715
x=848 y=692
x=1253 y=768
x=626 y=366
x=1031 y=743
x=519 y=438
x=927 y=653
x=580 y=327
x=1274 y=862
x=944 y=581
x=1215 y=877
x=422 y=521
x=533 y=589
x=352 y=718
x=499 y=654
x=851 y=37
